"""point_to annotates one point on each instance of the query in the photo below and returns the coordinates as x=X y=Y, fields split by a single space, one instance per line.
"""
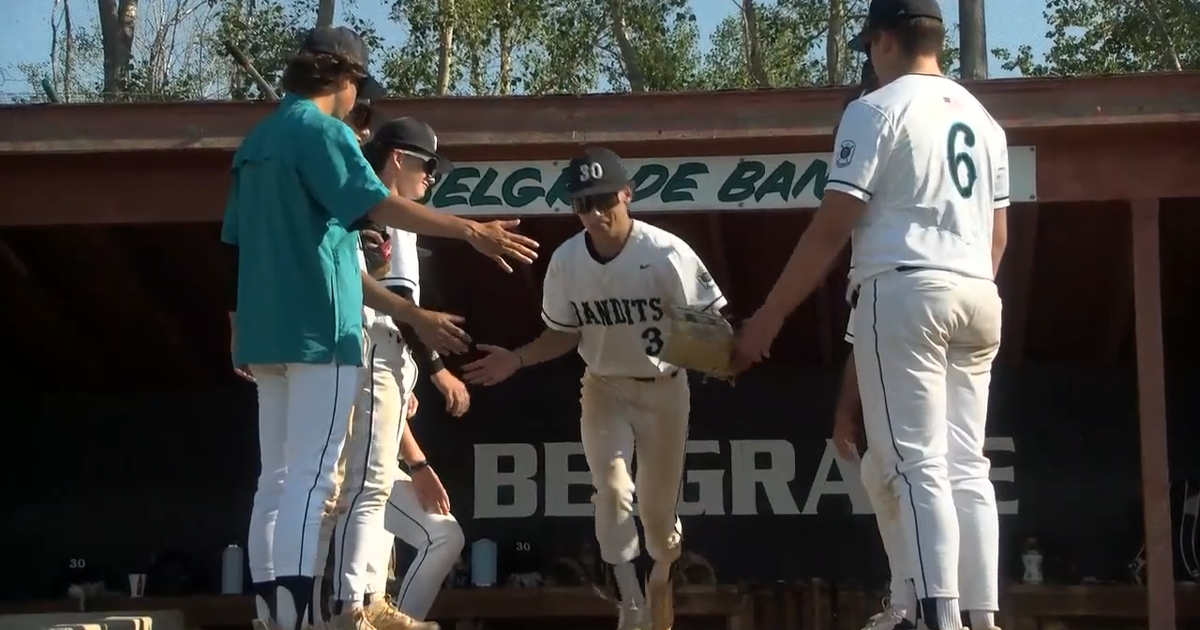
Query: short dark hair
x=317 y=74
x=920 y=37
x=377 y=155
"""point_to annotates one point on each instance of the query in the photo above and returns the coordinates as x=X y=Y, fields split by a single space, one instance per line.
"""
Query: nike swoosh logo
x=643 y=266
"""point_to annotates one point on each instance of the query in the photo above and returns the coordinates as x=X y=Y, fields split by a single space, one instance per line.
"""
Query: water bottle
x=231 y=570
x=1031 y=558
x=483 y=563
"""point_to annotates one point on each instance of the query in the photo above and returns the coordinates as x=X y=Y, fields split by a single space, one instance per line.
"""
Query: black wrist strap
x=416 y=466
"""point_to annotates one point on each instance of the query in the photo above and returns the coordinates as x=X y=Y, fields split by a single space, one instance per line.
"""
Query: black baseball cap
x=344 y=42
x=886 y=14
x=410 y=134
x=597 y=172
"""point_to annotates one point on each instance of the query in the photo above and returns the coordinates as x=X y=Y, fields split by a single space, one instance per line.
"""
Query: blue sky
x=25 y=36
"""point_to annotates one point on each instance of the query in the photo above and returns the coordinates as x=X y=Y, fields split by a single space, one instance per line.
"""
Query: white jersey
x=932 y=166
x=621 y=307
x=369 y=316
x=403 y=271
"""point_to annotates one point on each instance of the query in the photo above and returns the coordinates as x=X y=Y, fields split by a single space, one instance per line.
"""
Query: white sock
x=948 y=615
x=628 y=586
x=982 y=619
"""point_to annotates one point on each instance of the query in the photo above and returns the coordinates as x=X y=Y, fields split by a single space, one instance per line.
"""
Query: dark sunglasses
x=594 y=203
x=429 y=164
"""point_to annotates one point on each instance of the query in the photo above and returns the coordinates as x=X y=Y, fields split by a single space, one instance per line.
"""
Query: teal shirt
x=299 y=181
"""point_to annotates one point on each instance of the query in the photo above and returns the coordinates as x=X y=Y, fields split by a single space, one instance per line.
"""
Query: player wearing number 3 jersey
x=609 y=291
x=919 y=183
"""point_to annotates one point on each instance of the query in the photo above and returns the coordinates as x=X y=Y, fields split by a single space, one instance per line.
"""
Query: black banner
x=114 y=481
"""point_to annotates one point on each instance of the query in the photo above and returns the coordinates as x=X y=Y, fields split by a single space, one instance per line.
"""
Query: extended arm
x=376 y=296
x=549 y=345
x=410 y=451
x=848 y=402
x=999 y=238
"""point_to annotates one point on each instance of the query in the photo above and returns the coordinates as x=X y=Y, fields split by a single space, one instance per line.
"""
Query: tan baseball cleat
x=660 y=598
x=350 y=619
x=263 y=624
x=384 y=615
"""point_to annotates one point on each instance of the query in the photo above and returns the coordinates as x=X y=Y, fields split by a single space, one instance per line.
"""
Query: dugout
x=116 y=346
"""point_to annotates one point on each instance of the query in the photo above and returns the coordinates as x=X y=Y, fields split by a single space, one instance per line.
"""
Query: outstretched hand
x=441 y=331
x=753 y=341
x=498 y=364
x=495 y=240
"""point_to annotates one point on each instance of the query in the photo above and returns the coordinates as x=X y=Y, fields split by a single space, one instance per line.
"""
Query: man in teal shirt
x=299 y=185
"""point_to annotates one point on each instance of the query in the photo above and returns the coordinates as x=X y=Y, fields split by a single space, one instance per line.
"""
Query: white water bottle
x=483 y=563
x=1031 y=558
x=231 y=571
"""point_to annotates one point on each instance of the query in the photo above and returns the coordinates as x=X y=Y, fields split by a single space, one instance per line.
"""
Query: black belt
x=651 y=379
x=900 y=269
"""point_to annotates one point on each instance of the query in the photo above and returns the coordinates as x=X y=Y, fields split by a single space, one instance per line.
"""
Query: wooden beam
x=1120 y=311
x=1016 y=279
x=1152 y=412
x=517 y=121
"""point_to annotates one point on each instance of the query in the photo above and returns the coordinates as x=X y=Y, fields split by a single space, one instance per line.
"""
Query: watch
x=416 y=466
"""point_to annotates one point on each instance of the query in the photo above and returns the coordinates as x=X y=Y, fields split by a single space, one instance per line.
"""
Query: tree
x=790 y=39
x=1112 y=37
x=118 y=19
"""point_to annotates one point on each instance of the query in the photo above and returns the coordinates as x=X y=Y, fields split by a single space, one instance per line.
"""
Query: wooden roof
x=112 y=265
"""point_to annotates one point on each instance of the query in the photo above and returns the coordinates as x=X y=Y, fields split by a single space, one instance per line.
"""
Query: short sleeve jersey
x=404 y=270
x=299 y=181
x=932 y=166
x=621 y=307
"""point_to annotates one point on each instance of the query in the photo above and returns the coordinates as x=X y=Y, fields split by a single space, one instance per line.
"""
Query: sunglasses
x=429 y=164
x=594 y=203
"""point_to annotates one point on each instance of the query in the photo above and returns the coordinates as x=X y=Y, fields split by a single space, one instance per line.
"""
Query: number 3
x=962 y=166
x=588 y=172
x=653 y=339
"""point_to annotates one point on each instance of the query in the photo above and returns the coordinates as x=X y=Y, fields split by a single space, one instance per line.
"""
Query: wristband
x=417 y=466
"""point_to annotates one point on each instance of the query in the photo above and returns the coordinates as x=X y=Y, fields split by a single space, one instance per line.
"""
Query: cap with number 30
x=598 y=172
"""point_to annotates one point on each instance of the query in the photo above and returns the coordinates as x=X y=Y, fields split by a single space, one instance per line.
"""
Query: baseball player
x=403 y=152
x=900 y=610
x=608 y=292
x=920 y=181
x=299 y=181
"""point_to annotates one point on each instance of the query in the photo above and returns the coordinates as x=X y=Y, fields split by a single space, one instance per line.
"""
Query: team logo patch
x=845 y=154
x=705 y=280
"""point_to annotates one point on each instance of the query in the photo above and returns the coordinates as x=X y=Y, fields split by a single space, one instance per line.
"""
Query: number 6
x=588 y=172
x=964 y=182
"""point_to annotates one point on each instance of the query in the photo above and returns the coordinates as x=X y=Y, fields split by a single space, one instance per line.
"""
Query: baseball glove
x=701 y=341
x=377 y=249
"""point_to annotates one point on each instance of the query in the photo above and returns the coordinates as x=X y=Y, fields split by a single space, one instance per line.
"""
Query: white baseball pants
x=924 y=345
x=886 y=504
x=303 y=413
x=371 y=462
x=616 y=413
x=437 y=539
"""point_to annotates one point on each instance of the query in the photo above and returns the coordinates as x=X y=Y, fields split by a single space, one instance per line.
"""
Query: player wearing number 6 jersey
x=919 y=182
x=609 y=291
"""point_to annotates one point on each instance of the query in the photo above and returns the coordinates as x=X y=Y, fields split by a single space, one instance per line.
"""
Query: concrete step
x=132 y=620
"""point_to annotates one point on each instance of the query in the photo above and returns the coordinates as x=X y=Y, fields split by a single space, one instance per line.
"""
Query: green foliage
x=1111 y=37
x=479 y=47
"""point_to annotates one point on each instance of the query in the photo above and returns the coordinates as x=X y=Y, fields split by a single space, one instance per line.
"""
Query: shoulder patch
x=705 y=280
x=845 y=154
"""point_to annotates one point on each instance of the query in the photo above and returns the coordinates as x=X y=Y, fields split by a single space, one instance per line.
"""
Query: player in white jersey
x=403 y=153
x=608 y=292
x=900 y=610
x=920 y=182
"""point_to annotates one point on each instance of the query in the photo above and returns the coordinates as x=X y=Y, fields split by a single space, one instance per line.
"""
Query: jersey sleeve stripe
x=557 y=325
x=1004 y=198
x=395 y=281
x=853 y=188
